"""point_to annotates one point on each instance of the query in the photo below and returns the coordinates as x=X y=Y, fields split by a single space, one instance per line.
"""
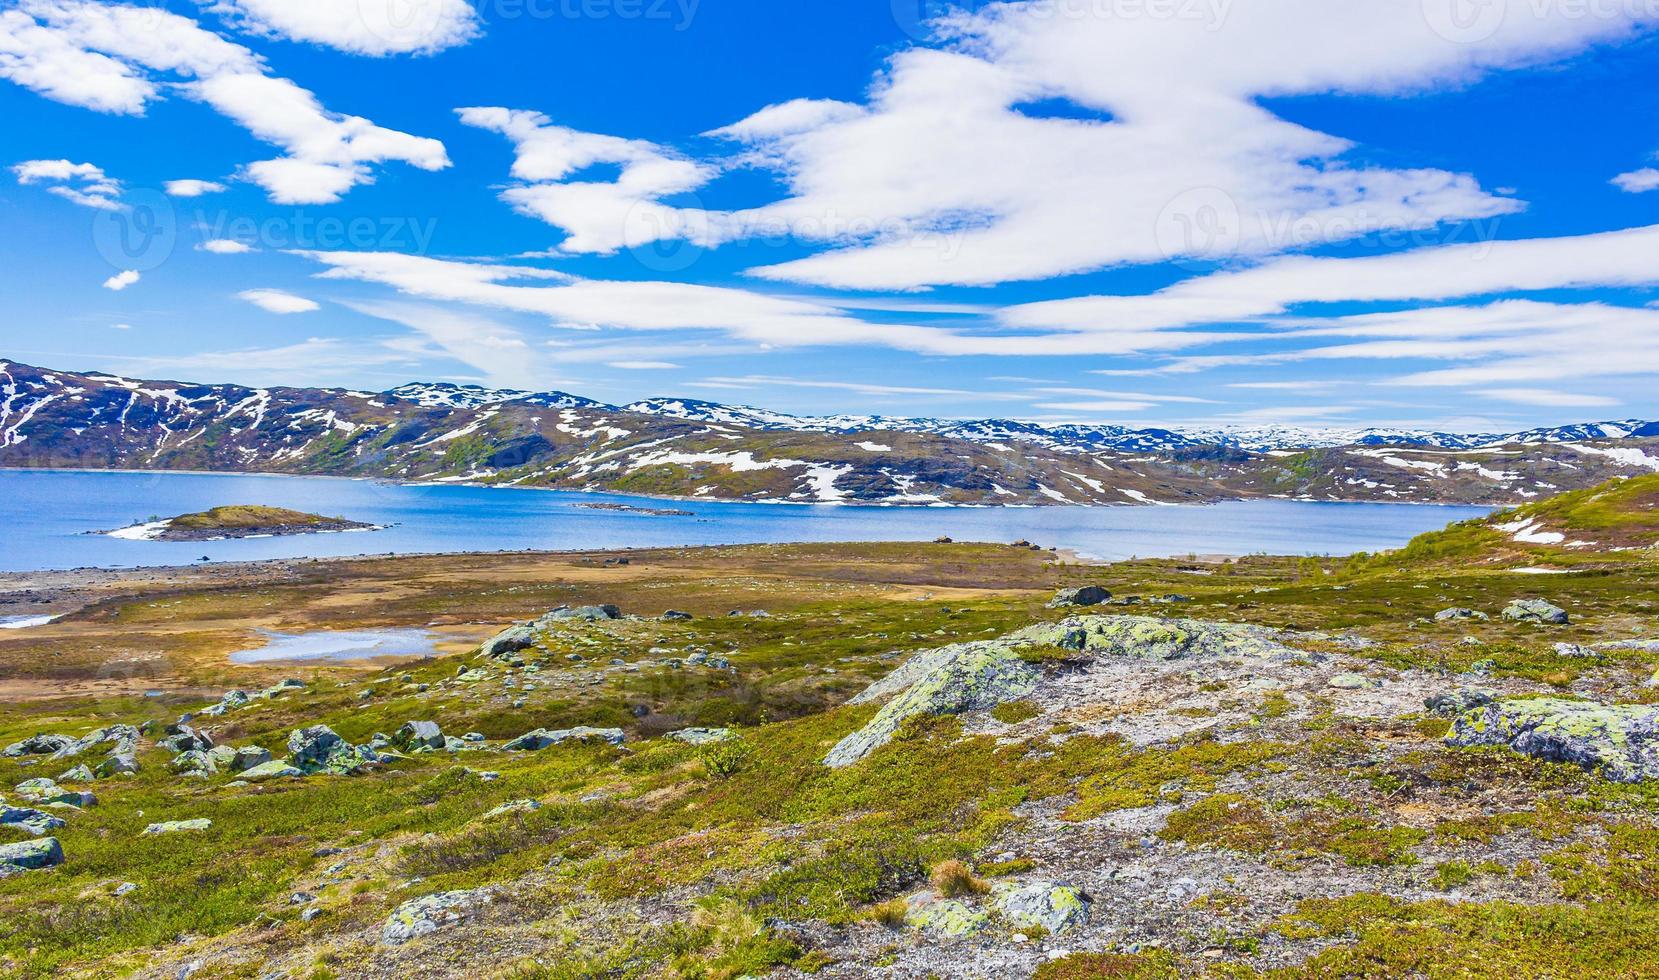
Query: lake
x=45 y=517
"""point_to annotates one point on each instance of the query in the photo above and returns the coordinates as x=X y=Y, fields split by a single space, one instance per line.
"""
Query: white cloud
x=193 y=188
x=82 y=183
x=225 y=246
x=667 y=306
x=369 y=27
x=321 y=360
x=598 y=216
x=1547 y=398
x=120 y=326
x=949 y=176
x=1614 y=258
x=121 y=280
x=493 y=348
x=1638 y=181
x=126 y=53
x=278 y=301
x=642 y=365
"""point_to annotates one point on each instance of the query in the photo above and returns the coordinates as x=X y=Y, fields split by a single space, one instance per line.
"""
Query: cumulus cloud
x=369 y=27
x=957 y=169
x=598 y=216
x=1638 y=181
x=225 y=246
x=126 y=56
x=193 y=188
x=278 y=301
x=121 y=280
x=82 y=183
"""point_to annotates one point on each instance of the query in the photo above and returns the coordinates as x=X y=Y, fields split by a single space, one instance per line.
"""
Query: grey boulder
x=1535 y=611
x=541 y=738
x=30 y=855
x=1088 y=595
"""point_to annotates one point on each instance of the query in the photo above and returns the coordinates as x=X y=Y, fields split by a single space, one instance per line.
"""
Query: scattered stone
x=507 y=642
x=676 y=616
x=423 y=916
x=1460 y=701
x=183 y=738
x=1458 y=613
x=515 y=806
x=415 y=736
x=541 y=738
x=30 y=855
x=38 y=788
x=37 y=822
x=275 y=769
x=1088 y=595
x=1621 y=740
x=177 y=826
x=42 y=744
x=116 y=765
x=1055 y=906
x=194 y=761
x=1535 y=611
x=943 y=916
x=124 y=888
x=701 y=736
x=79 y=774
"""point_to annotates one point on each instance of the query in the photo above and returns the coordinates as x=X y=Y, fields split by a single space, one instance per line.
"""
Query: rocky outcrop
x=29 y=820
x=981 y=675
x=1535 y=611
x=318 y=750
x=508 y=642
x=1458 y=614
x=1622 y=741
x=423 y=916
x=42 y=744
x=1460 y=701
x=1088 y=595
x=541 y=738
x=418 y=736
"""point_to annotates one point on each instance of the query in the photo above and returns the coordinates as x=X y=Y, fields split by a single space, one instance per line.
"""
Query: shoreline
x=681 y=499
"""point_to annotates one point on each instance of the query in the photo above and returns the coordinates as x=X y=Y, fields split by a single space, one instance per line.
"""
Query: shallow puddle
x=23 y=622
x=340 y=646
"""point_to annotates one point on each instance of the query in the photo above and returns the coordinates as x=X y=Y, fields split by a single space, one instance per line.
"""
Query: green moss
x=1239 y=824
x=1157 y=965
x=1014 y=712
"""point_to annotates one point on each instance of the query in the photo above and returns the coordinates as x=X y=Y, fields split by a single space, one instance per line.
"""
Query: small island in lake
x=242 y=521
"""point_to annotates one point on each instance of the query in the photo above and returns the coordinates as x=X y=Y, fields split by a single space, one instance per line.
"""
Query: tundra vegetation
x=1253 y=767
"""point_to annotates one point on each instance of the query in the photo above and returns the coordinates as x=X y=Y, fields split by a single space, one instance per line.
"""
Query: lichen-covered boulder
x=1053 y=905
x=1088 y=595
x=38 y=788
x=177 y=826
x=591 y=614
x=701 y=736
x=183 y=738
x=37 y=822
x=116 y=765
x=1535 y=611
x=318 y=750
x=30 y=855
x=122 y=740
x=77 y=774
x=963 y=677
x=423 y=916
x=273 y=769
x=247 y=757
x=508 y=642
x=1460 y=701
x=194 y=761
x=1621 y=740
x=541 y=738
x=943 y=917
x=1155 y=638
x=1457 y=614
x=513 y=806
x=42 y=744
x=417 y=735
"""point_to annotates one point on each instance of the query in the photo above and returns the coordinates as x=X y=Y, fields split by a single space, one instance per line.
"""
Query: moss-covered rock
x=1620 y=740
x=421 y=916
x=30 y=855
x=943 y=917
x=1053 y=905
x=1536 y=611
x=948 y=681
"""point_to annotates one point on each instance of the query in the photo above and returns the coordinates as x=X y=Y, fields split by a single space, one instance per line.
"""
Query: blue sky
x=1314 y=212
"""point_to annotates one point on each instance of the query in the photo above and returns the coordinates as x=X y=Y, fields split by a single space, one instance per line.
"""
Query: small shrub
x=725 y=759
x=1453 y=874
x=1014 y=712
x=890 y=913
x=953 y=879
x=1002 y=869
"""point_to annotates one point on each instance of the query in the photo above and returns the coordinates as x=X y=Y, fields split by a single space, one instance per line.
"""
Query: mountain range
x=443 y=432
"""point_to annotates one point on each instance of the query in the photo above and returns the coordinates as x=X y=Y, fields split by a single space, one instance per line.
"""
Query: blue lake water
x=45 y=517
